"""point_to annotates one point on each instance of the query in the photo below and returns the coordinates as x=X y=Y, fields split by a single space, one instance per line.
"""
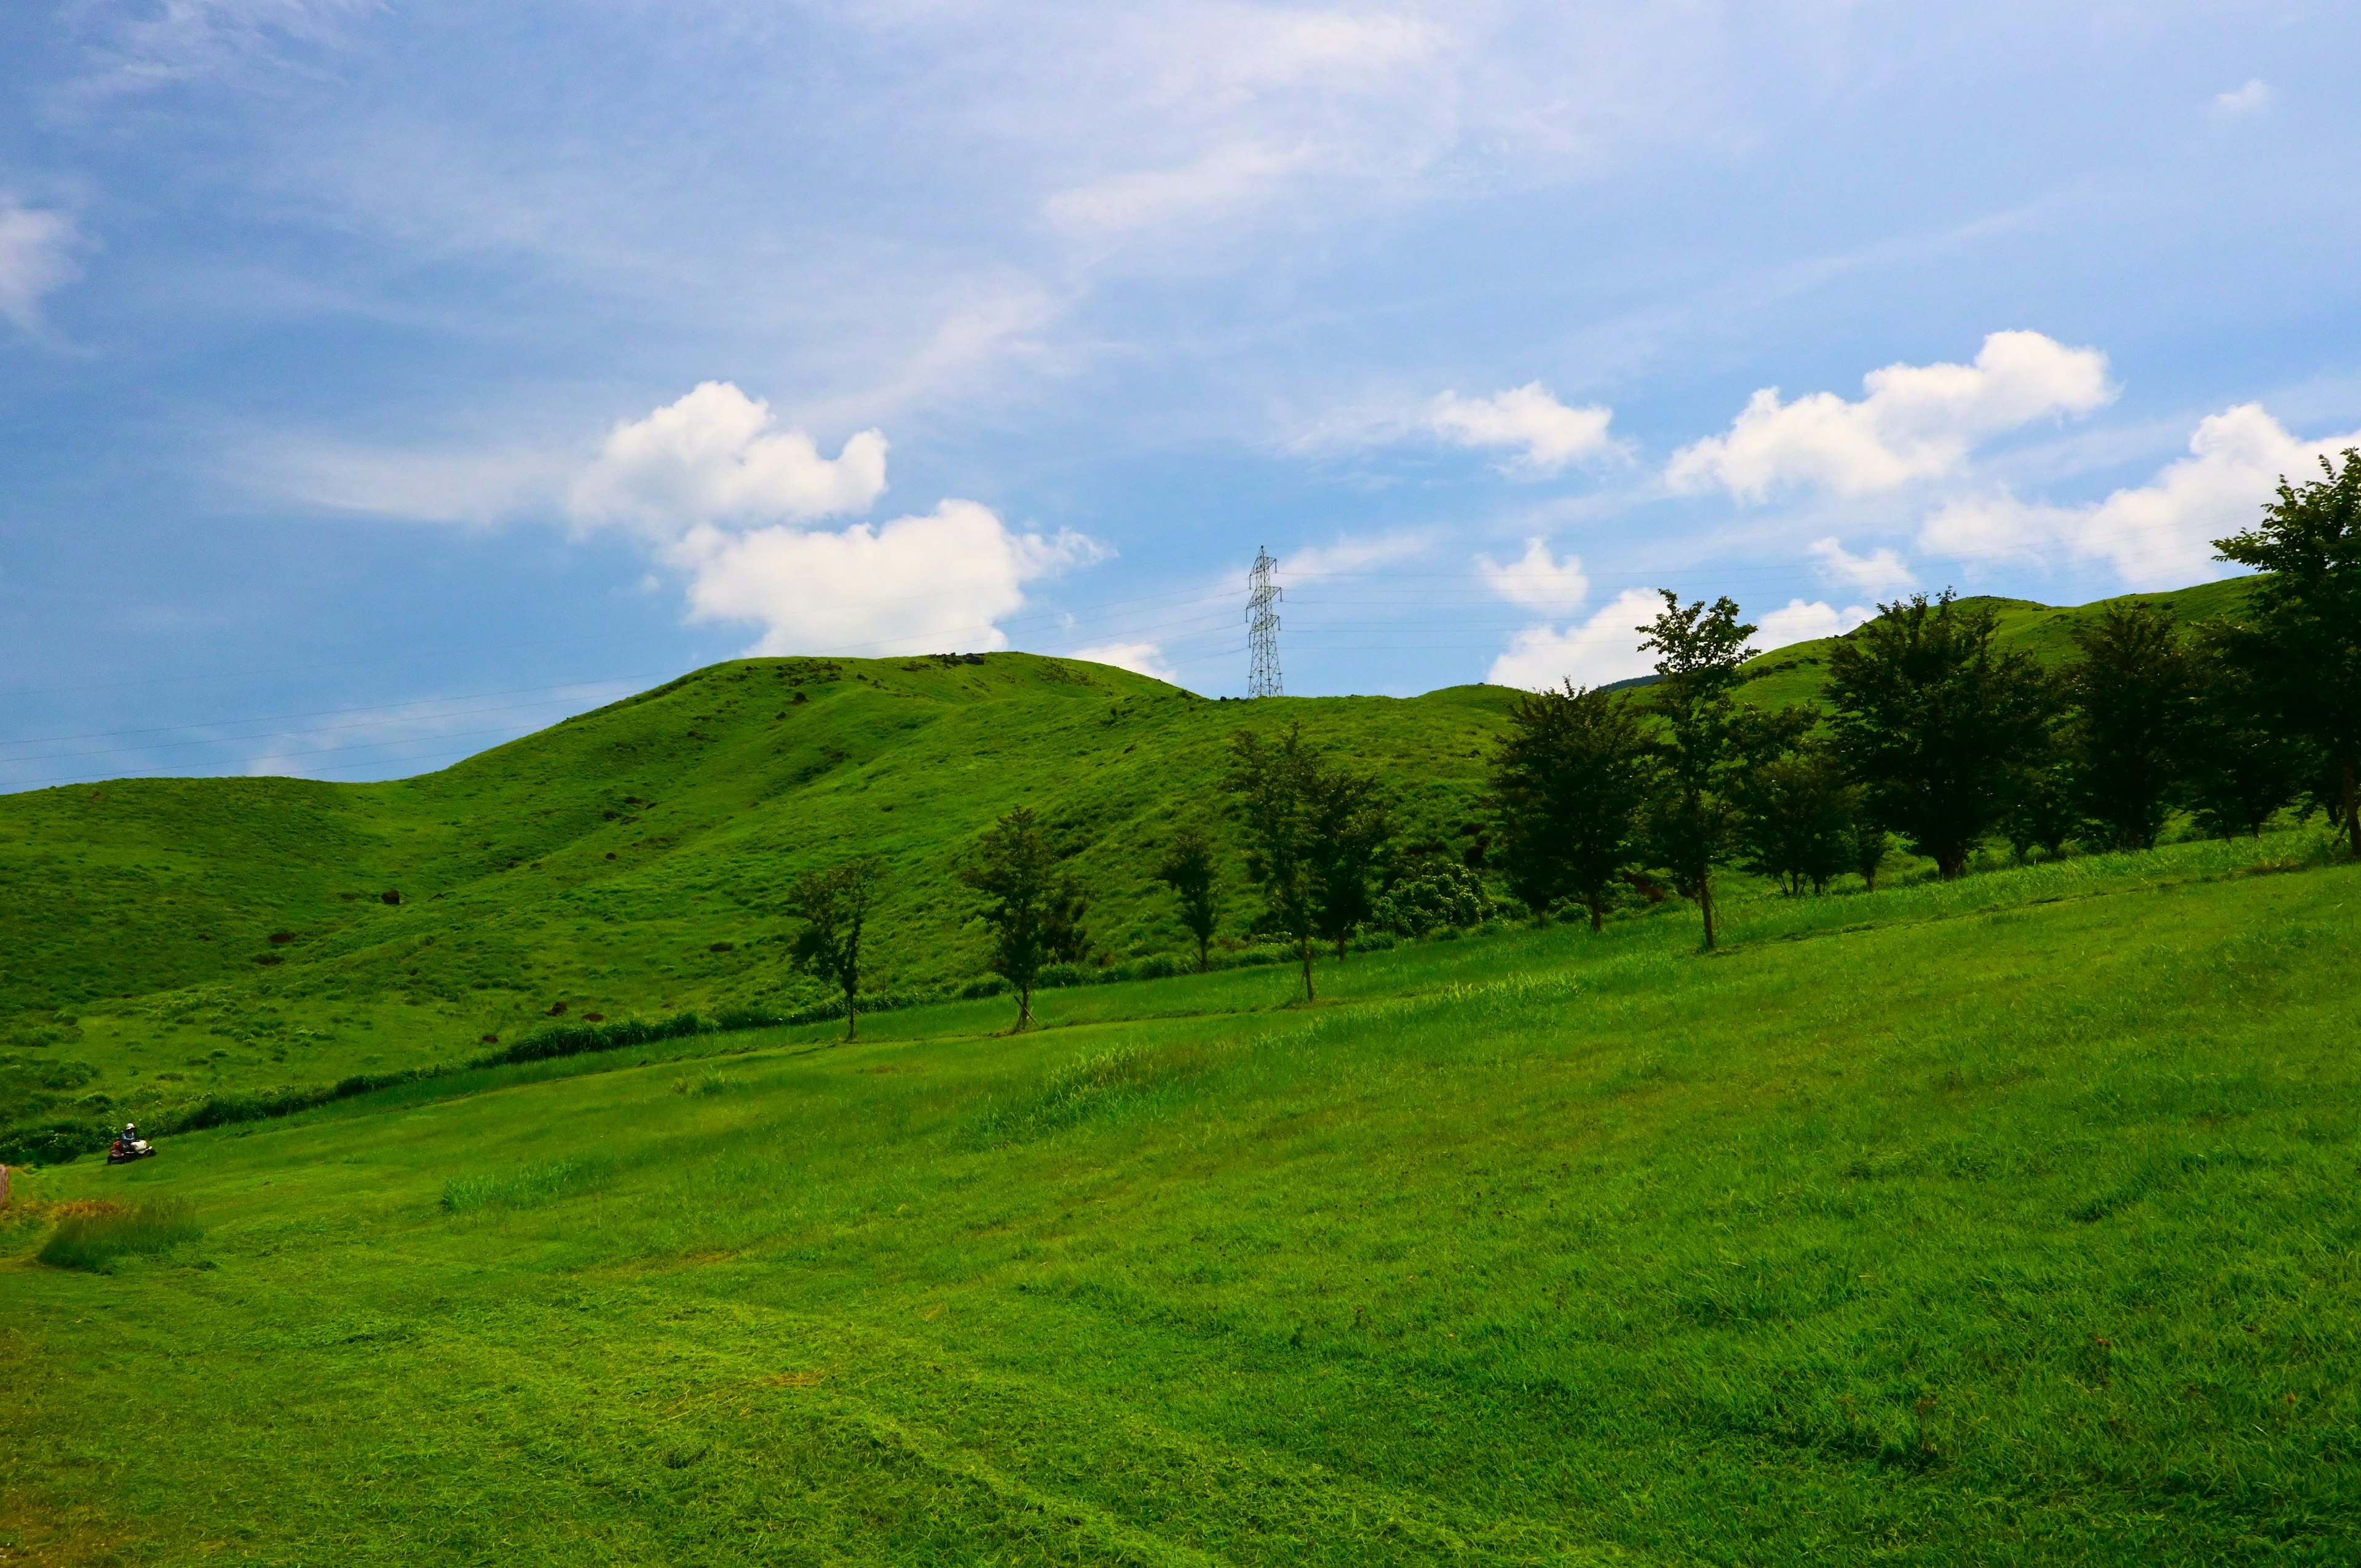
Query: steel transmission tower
x=1262 y=629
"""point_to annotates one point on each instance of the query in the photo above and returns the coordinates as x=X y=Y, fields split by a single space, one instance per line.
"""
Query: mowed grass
x=2004 y=1223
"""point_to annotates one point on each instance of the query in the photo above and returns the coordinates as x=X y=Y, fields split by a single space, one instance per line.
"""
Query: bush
x=93 y=1237
x=1437 y=895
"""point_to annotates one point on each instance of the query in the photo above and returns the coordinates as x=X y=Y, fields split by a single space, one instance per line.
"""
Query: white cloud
x=712 y=456
x=2252 y=99
x=1877 y=574
x=1916 y=422
x=1604 y=648
x=1262 y=98
x=36 y=258
x=423 y=484
x=1349 y=556
x=1537 y=579
x=1547 y=434
x=928 y=583
x=2155 y=535
x=1797 y=621
x=1140 y=658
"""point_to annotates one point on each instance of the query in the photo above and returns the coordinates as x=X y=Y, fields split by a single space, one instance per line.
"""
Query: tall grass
x=92 y=1236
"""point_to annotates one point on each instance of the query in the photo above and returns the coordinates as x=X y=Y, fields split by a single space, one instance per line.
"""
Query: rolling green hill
x=165 y=939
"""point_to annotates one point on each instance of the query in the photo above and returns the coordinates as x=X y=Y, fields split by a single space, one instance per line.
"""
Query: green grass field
x=2003 y=1222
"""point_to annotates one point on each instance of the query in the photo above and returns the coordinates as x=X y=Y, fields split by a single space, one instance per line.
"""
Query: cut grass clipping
x=93 y=1235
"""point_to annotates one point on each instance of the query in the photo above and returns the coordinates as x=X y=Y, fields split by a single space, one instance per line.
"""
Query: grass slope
x=2005 y=1222
x=629 y=861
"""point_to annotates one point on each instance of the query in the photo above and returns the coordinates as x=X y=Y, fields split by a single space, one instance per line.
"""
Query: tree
x=1315 y=840
x=1351 y=826
x=1932 y=719
x=1798 y=816
x=1036 y=909
x=833 y=906
x=1869 y=845
x=1268 y=785
x=2132 y=694
x=1706 y=745
x=2239 y=765
x=1568 y=782
x=2307 y=621
x=1189 y=870
x=2041 y=810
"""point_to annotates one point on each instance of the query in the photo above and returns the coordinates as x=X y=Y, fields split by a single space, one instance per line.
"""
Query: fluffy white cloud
x=1915 y=421
x=1537 y=579
x=1797 y=621
x=1140 y=658
x=1544 y=434
x=713 y=457
x=2158 y=535
x=2251 y=99
x=932 y=582
x=36 y=257
x=1877 y=574
x=1604 y=648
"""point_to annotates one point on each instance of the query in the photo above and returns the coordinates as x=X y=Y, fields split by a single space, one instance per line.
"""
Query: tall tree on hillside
x=1799 y=816
x=1706 y=744
x=1869 y=845
x=2307 y=621
x=1568 y=781
x=1316 y=835
x=1189 y=870
x=2043 y=808
x=1036 y=908
x=833 y=906
x=1269 y=785
x=2131 y=691
x=2239 y=765
x=1352 y=827
x=1933 y=718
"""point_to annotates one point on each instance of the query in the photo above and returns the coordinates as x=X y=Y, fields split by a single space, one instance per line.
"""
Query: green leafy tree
x=1568 y=782
x=1352 y=827
x=833 y=906
x=2042 y=810
x=1270 y=787
x=1035 y=909
x=1191 y=871
x=2306 y=623
x=1933 y=721
x=1799 y=816
x=1706 y=745
x=2132 y=692
x=2239 y=765
x=1316 y=837
x=1868 y=846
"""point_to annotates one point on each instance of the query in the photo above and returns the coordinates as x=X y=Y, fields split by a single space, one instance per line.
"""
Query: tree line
x=1928 y=734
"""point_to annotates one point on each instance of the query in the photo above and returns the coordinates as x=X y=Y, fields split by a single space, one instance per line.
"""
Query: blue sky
x=379 y=381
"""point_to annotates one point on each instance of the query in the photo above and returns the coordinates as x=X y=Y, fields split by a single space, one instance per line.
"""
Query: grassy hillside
x=165 y=939
x=2001 y=1222
x=1796 y=673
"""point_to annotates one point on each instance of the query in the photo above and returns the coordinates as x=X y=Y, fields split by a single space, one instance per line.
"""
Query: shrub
x=1437 y=895
x=93 y=1237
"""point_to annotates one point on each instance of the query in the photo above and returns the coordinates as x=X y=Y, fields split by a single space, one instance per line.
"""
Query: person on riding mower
x=130 y=1135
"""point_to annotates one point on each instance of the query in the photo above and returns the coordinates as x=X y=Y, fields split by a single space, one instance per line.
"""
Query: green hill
x=2006 y=1221
x=166 y=939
